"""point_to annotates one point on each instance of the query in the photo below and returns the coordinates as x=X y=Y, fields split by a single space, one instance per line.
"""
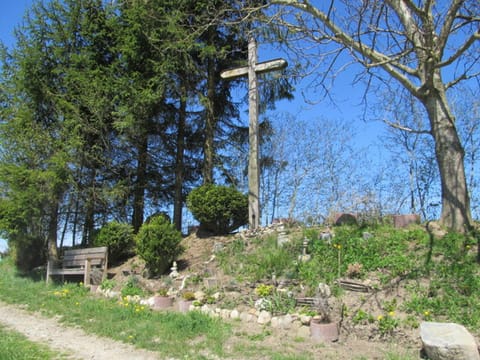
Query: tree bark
x=210 y=125
x=179 y=161
x=140 y=184
x=449 y=152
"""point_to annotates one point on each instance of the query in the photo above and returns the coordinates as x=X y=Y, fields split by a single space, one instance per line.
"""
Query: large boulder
x=448 y=341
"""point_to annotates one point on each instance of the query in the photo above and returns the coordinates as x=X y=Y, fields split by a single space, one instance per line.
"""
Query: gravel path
x=72 y=341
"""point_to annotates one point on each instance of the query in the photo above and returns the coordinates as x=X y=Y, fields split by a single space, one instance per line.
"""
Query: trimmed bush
x=219 y=209
x=158 y=243
x=119 y=238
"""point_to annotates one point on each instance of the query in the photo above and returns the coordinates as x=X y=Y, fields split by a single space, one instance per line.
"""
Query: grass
x=441 y=277
x=15 y=346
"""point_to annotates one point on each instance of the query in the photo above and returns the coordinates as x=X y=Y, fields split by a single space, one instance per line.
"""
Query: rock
x=402 y=221
x=345 y=219
x=234 y=314
x=275 y=322
x=305 y=319
x=199 y=295
x=286 y=321
x=225 y=313
x=448 y=341
x=264 y=317
x=247 y=317
x=303 y=332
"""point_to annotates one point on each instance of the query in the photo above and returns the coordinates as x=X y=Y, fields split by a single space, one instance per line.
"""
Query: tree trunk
x=179 y=172
x=208 y=148
x=450 y=154
x=52 y=252
x=140 y=184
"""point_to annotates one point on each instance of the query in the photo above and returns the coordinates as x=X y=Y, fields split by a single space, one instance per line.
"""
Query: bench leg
x=86 y=276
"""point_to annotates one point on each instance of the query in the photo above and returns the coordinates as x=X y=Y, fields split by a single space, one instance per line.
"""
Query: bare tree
x=412 y=152
x=425 y=46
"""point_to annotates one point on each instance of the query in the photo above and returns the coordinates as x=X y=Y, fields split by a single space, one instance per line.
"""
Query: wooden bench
x=80 y=262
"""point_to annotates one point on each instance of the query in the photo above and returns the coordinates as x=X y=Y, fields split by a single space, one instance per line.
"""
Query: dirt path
x=73 y=341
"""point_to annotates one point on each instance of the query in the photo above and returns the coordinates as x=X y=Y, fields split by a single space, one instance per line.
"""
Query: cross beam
x=251 y=71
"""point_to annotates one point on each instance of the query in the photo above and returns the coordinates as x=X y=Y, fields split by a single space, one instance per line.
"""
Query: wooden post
x=251 y=71
x=253 y=159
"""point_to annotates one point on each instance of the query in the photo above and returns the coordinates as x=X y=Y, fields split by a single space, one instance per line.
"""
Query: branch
x=447 y=25
x=407 y=129
x=461 y=50
x=341 y=37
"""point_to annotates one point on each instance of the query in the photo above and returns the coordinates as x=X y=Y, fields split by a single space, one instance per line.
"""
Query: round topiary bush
x=158 y=243
x=219 y=209
x=119 y=238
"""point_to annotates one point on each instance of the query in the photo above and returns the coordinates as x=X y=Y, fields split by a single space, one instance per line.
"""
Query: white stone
x=199 y=295
x=225 y=314
x=286 y=321
x=234 y=314
x=305 y=319
x=275 y=322
x=448 y=341
x=247 y=317
x=264 y=317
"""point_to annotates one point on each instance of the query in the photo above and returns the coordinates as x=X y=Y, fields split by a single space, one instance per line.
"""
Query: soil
x=356 y=341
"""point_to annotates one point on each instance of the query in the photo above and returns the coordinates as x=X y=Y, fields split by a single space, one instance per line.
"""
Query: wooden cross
x=252 y=70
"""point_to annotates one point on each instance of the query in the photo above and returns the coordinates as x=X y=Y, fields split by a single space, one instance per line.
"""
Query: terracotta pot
x=184 y=305
x=324 y=332
x=162 y=302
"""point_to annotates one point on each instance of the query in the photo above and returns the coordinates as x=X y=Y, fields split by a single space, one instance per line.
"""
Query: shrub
x=158 y=243
x=219 y=209
x=119 y=238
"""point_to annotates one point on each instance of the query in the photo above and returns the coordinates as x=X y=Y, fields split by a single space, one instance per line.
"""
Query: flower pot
x=323 y=332
x=162 y=302
x=184 y=305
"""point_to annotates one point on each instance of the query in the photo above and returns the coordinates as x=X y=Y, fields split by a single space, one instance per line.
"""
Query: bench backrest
x=77 y=257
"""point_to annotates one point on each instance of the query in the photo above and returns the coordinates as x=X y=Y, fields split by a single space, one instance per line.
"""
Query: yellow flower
x=77 y=303
x=391 y=313
x=468 y=247
x=426 y=313
x=380 y=317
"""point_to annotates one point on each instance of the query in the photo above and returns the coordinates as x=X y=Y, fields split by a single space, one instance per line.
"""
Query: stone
x=174 y=273
x=275 y=322
x=199 y=295
x=402 y=221
x=225 y=314
x=286 y=321
x=303 y=332
x=234 y=314
x=247 y=317
x=305 y=319
x=264 y=317
x=345 y=219
x=448 y=341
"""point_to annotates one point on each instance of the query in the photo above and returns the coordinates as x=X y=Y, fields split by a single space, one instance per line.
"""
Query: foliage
x=119 y=239
x=158 y=243
x=268 y=259
x=107 y=284
x=131 y=288
x=263 y=290
x=219 y=209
